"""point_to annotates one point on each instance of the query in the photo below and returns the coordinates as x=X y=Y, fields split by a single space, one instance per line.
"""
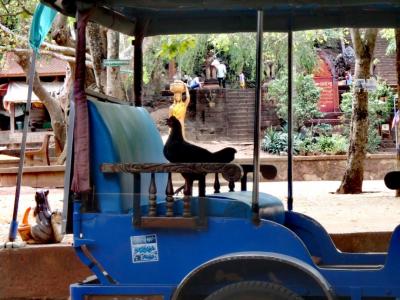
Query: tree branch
x=24 y=9
x=69 y=59
x=356 y=40
x=61 y=49
x=4 y=7
x=12 y=14
x=51 y=103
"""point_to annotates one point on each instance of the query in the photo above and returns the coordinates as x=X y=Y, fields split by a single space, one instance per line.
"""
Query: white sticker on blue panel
x=144 y=248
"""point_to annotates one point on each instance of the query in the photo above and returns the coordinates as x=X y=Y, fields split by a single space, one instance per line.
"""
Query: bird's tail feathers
x=225 y=155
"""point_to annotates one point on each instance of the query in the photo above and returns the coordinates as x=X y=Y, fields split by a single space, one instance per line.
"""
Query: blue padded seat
x=128 y=134
x=271 y=207
x=122 y=134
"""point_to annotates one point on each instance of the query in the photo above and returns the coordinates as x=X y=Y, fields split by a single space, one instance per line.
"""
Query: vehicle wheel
x=253 y=290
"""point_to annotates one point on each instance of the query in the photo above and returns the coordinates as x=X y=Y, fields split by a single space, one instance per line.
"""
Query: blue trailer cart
x=141 y=241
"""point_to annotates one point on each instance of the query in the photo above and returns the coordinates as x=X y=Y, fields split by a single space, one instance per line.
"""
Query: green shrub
x=309 y=141
x=374 y=140
x=335 y=144
x=274 y=141
x=305 y=100
x=306 y=146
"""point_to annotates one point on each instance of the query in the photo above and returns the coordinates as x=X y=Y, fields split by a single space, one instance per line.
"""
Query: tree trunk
x=61 y=33
x=96 y=47
x=354 y=174
x=52 y=105
x=114 y=84
x=171 y=69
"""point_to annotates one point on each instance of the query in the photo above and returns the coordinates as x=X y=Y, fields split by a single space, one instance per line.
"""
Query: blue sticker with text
x=144 y=248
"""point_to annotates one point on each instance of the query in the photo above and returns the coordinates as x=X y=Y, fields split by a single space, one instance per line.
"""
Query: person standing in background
x=242 y=82
x=195 y=83
x=221 y=74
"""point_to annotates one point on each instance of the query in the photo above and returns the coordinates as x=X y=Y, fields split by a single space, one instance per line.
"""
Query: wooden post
x=152 y=196
x=12 y=118
x=217 y=185
x=187 y=198
x=169 y=191
x=138 y=63
x=202 y=215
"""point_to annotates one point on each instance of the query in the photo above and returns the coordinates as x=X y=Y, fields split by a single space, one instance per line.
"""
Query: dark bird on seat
x=177 y=150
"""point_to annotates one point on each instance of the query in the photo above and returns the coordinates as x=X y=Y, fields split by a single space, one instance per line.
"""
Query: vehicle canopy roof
x=217 y=16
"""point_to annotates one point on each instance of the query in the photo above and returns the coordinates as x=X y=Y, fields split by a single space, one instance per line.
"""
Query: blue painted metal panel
x=320 y=244
x=185 y=248
x=188 y=249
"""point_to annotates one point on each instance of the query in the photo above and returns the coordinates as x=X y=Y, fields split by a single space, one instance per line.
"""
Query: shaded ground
x=375 y=210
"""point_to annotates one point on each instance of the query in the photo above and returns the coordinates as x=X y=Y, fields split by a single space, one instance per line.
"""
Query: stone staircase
x=240 y=112
x=388 y=145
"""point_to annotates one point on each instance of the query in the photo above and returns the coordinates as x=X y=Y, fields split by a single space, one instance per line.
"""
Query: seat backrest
x=122 y=134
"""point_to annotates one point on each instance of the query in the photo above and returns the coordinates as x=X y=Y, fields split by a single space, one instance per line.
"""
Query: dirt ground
x=375 y=210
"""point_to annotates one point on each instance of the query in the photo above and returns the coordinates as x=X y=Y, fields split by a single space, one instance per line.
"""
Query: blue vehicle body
x=284 y=248
x=191 y=264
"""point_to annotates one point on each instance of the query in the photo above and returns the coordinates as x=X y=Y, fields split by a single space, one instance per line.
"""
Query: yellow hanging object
x=179 y=107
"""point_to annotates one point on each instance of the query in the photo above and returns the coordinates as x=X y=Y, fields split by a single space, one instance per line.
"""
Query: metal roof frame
x=207 y=16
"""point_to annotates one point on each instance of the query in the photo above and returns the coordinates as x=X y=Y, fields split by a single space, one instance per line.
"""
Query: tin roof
x=45 y=66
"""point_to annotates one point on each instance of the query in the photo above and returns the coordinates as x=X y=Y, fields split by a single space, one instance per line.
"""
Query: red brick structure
x=324 y=79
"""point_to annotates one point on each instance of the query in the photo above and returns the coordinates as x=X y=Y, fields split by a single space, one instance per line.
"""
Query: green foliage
x=310 y=141
x=320 y=139
x=274 y=142
x=307 y=145
x=374 y=139
x=389 y=35
x=192 y=60
x=236 y=50
x=188 y=51
x=305 y=101
x=15 y=15
x=304 y=52
x=380 y=106
x=241 y=58
x=174 y=46
x=335 y=144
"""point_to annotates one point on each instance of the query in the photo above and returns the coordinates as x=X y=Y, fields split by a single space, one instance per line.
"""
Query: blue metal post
x=14 y=223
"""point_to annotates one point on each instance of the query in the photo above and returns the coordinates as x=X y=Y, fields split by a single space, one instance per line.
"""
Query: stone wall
x=226 y=114
x=39 y=272
x=328 y=167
